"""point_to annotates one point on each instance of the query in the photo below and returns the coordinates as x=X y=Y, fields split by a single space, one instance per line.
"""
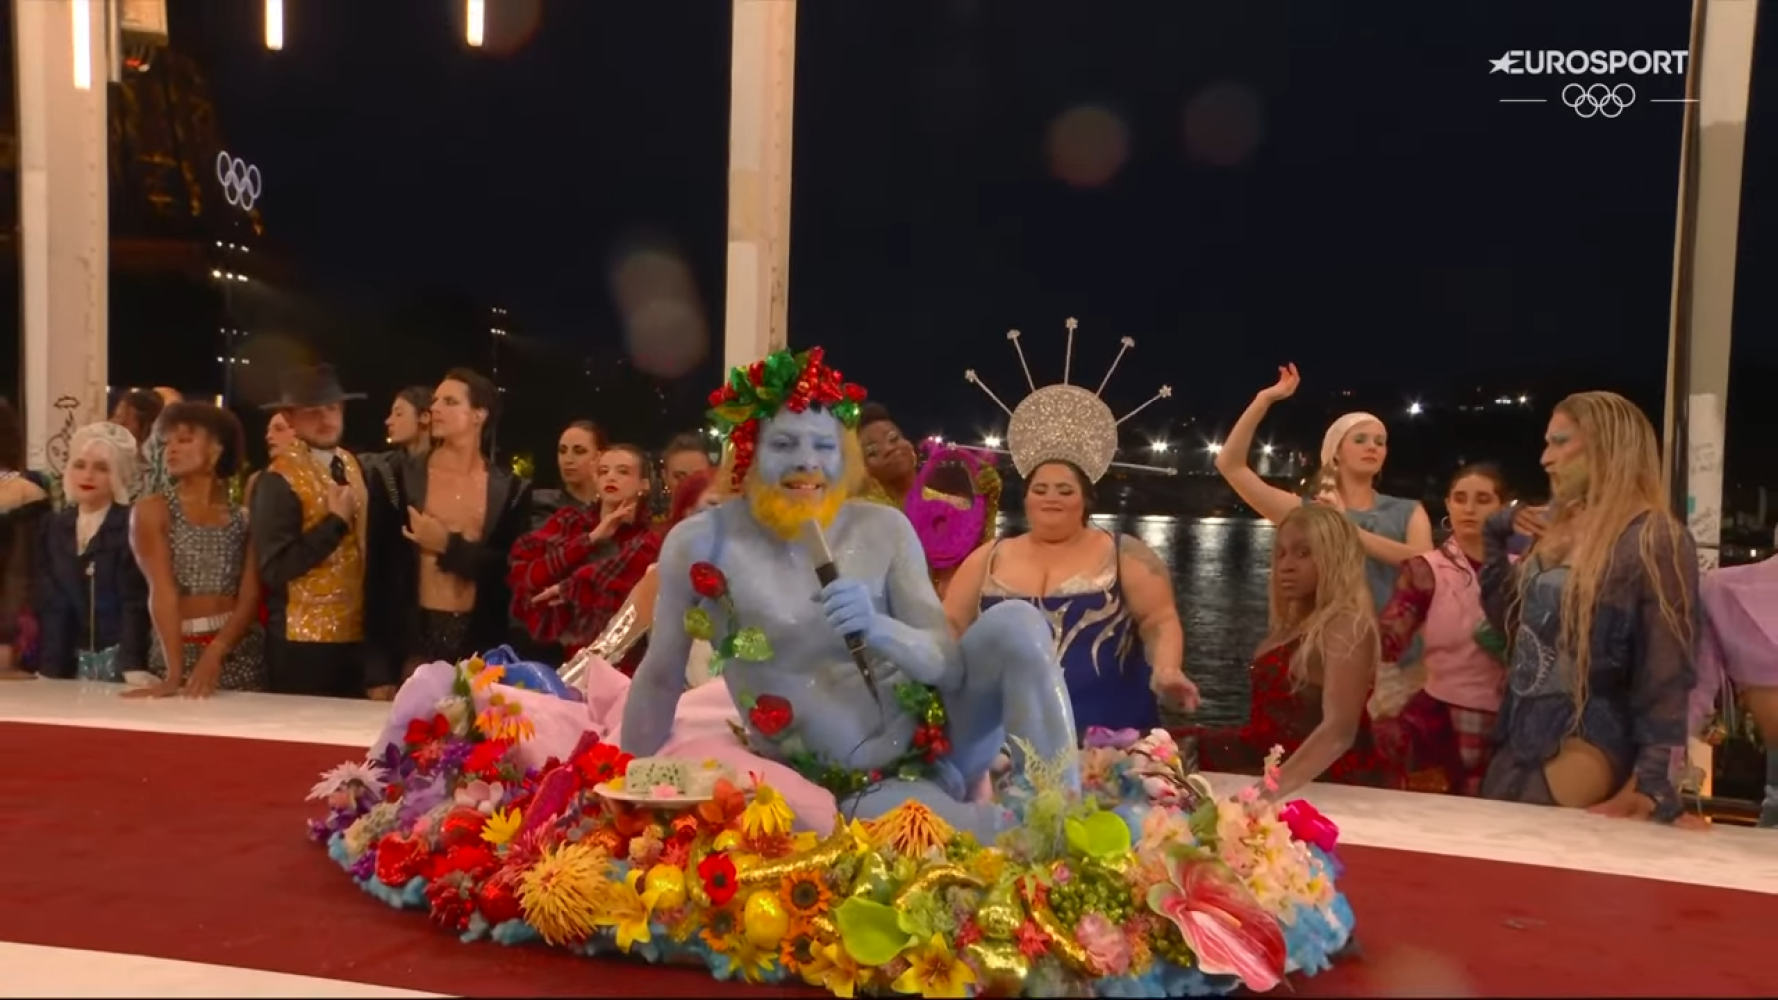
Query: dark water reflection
x=1220 y=569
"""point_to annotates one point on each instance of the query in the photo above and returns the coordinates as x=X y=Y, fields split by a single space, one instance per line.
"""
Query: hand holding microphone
x=846 y=603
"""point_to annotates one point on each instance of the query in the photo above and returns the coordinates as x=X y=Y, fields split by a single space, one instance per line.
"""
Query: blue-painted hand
x=848 y=607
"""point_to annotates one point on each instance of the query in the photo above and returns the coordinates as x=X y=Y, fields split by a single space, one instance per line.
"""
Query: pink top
x=1458 y=671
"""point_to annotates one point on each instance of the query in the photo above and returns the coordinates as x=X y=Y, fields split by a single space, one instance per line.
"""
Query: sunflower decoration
x=722 y=930
x=805 y=895
x=800 y=948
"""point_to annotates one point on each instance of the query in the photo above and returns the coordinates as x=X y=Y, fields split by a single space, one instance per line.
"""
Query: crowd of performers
x=1558 y=654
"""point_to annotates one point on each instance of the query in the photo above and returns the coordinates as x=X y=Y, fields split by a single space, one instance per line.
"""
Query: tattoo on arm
x=1143 y=556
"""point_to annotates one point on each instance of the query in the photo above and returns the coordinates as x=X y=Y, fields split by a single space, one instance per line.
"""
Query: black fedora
x=315 y=386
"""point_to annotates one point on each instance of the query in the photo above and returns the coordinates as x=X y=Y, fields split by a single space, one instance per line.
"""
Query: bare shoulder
x=690 y=540
x=1133 y=551
x=1349 y=634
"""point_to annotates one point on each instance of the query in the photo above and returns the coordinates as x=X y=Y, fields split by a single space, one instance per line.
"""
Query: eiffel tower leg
x=762 y=95
x=64 y=234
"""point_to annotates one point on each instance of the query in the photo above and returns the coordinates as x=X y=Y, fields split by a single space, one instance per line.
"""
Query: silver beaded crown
x=1065 y=422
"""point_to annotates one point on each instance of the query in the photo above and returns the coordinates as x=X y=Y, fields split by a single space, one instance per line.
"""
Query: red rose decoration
x=484 y=761
x=770 y=715
x=475 y=861
x=462 y=827
x=708 y=581
x=423 y=731
x=498 y=898
x=718 y=874
x=401 y=858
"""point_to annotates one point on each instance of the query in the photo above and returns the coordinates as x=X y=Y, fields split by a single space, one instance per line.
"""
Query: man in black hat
x=308 y=525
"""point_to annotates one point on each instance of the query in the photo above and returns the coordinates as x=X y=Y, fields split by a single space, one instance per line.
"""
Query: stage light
x=475 y=22
x=80 y=14
x=274 y=25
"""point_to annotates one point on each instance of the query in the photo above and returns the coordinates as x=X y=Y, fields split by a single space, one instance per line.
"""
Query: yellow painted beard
x=783 y=513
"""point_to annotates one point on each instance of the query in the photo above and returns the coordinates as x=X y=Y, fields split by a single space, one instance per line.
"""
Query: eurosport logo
x=1596 y=98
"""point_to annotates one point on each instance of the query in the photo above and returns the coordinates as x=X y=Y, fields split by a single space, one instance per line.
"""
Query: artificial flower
x=628 y=913
x=718 y=874
x=1032 y=941
x=601 y=763
x=768 y=815
x=722 y=929
x=1308 y=825
x=502 y=826
x=343 y=777
x=504 y=720
x=1105 y=944
x=797 y=950
x=482 y=796
x=934 y=971
x=370 y=827
x=804 y=893
x=1099 y=737
x=836 y=971
x=483 y=678
x=484 y=759
x=724 y=807
x=458 y=713
x=1220 y=921
x=646 y=848
x=752 y=962
x=423 y=731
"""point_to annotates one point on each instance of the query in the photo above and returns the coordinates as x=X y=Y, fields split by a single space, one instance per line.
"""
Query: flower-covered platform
x=1145 y=885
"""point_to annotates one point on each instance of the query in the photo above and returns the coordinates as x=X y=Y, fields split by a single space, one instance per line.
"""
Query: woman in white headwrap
x=91 y=598
x=1392 y=529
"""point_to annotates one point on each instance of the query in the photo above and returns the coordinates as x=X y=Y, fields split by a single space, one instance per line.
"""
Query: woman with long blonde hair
x=1600 y=616
x=1312 y=675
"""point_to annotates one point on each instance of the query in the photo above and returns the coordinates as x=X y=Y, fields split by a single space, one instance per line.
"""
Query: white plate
x=676 y=802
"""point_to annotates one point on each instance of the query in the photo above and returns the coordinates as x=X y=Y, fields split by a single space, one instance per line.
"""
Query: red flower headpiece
x=757 y=392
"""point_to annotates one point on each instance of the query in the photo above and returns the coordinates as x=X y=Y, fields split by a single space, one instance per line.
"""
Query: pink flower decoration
x=663 y=791
x=1308 y=825
x=1107 y=947
x=1221 y=921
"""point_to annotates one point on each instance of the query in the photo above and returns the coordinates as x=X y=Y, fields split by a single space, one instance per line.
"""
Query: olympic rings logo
x=1598 y=99
x=240 y=181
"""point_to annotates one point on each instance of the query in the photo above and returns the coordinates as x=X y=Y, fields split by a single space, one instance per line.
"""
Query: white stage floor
x=1725 y=857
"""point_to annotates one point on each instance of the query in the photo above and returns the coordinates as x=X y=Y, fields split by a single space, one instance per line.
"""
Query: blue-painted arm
x=660 y=678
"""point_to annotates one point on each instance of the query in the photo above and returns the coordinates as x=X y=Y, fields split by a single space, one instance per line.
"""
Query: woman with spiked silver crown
x=1108 y=597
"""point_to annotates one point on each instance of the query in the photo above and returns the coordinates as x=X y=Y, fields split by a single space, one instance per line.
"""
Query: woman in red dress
x=1313 y=674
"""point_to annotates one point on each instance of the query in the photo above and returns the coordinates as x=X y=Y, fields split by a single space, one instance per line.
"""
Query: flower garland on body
x=1145 y=886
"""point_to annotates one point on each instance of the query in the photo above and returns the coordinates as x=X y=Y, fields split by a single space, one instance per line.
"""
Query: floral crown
x=781 y=381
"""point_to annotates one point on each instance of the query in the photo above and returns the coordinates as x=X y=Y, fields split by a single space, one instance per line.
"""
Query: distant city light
x=274 y=25
x=1415 y=409
x=991 y=441
x=475 y=17
x=1523 y=399
x=1214 y=447
x=1159 y=447
x=1265 y=449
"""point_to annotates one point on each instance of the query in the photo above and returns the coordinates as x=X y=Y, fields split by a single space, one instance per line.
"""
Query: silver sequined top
x=207 y=560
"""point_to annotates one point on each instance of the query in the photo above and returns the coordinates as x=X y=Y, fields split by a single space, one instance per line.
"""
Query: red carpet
x=192 y=848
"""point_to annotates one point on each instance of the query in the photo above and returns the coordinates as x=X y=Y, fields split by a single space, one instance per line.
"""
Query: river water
x=1220 y=569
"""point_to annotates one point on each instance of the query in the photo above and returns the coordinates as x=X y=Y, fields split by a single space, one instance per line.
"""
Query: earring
x=1444 y=523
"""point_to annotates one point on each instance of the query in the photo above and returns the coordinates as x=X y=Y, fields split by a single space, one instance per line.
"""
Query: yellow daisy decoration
x=933 y=971
x=502 y=826
x=483 y=678
x=768 y=815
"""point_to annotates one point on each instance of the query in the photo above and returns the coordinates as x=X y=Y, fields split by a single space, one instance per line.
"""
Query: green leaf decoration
x=846 y=413
x=717 y=666
x=698 y=624
x=871 y=931
x=750 y=644
x=1203 y=825
x=1098 y=836
x=725 y=650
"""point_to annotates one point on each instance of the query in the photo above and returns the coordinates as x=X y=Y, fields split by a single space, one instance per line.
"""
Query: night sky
x=1233 y=185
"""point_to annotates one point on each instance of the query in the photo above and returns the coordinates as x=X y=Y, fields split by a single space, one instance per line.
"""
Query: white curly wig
x=117 y=445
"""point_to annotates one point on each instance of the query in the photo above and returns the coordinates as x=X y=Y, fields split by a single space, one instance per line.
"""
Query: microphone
x=815 y=543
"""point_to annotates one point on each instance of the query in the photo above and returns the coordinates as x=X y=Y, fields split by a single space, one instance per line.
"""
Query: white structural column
x=1724 y=72
x=64 y=219
x=762 y=96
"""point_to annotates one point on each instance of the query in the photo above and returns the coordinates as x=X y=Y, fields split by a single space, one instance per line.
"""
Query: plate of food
x=665 y=783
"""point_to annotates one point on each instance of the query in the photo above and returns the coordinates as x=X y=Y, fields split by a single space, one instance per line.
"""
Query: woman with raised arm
x=1392 y=529
x=1600 y=615
x=191 y=542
